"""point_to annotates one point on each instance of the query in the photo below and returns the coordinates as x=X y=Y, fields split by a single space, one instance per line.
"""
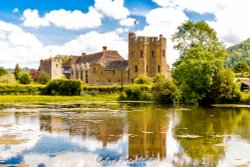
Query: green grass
x=51 y=99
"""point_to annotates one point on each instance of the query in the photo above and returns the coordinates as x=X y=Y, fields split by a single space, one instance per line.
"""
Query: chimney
x=160 y=35
x=104 y=48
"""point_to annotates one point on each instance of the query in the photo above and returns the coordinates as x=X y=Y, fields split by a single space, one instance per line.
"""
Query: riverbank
x=41 y=98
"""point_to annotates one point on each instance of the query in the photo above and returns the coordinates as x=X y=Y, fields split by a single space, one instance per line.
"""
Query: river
x=123 y=134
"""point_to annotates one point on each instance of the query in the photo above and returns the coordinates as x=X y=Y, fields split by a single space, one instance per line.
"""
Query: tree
x=164 y=90
x=17 y=72
x=34 y=74
x=25 y=78
x=201 y=57
x=3 y=71
x=242 y=68
x=43 y=78
x=64 y=58
x=7 y=78
x=143 y=80
x=224 y=88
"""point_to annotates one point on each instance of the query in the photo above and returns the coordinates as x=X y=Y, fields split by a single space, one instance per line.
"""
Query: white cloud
x=18 y=46
x=15 y=10
x=112 y=8
x=164 y=21
x=72 y=20
x=31 y=19
x=127 y=22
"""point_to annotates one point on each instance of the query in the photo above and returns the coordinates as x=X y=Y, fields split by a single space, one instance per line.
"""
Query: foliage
x=25 y=78
x=94 y=90
x=224 y=88
x=63 y=87
x=242 y=69
x=201 y=57
x=64 y=58
x=143 y=79
x=137 y=92
x=34 y=74
x=18 y=89
x=165 y=91
x=43 y=77
x=3 y=71
x=8 y=78
x=17 y=71
x=237 y=53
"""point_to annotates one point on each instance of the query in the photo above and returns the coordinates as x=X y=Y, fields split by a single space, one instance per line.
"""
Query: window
x=132 y=80
x=113 y=72
x=109 y=80
x=159 y=68
x=94 y=70
x=147 y=68
x=141 y=53
x=56 y=65
x=152 y=53
x=164 y=53
x=136 y=68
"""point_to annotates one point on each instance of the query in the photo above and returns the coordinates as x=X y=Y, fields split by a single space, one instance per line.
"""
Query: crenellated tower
x=147 y=56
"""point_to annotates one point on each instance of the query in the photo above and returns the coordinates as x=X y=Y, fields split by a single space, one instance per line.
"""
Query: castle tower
x=147 y=56
x=53 y=67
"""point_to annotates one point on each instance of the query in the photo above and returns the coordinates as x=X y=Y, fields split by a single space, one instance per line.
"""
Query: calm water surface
x=114 y=135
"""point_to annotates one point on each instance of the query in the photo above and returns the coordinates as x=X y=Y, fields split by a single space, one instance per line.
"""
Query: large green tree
x=201 y=57
x=3 y=71
x=242 y=69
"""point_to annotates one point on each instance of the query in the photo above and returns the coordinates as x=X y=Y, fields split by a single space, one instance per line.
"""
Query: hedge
x=63 y=87
x=18 y=89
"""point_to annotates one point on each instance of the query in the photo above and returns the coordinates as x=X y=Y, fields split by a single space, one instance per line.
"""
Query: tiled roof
x=110 y=60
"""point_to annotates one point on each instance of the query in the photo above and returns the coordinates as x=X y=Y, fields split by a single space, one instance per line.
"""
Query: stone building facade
x=146 y=56
x=53 y=67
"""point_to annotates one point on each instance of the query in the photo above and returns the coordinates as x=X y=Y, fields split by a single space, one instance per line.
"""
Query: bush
x=25 y=78
x=8 y=78
x=165 y=91
x=43 y=78
x=3 y=71
x=143 y=80
x=137 y=92
x=17 y=89
x=101 y=89
x=63 y=87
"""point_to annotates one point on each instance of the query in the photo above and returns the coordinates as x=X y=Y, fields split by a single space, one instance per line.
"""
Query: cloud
x=15 y=10
x=164 y=20
x=18 y=46
x=71 y=20
x=127 y=22
x=31 y=19
x=112 y=8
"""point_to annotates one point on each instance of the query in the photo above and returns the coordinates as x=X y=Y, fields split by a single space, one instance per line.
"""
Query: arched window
x=136 y=68
x=164 y=53
x=159 y=68
x=141 y=53
x=152 y=53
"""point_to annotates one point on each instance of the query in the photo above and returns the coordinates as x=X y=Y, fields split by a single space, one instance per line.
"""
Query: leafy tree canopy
x=241 y=67
x=3 y=71
x=64 y=58
x=201 y=57
x=25 y=78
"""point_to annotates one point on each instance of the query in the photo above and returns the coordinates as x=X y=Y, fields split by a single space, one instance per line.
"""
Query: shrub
x=143 y=80
x=63 y=87
x=165 y=91
x=43 y=78
x=8 y=78
x=137 y=92
x=17 y=89
x=25 y=78
x=3 y=71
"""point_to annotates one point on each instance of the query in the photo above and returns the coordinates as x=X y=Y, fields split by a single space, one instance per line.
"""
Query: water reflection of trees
x=147 y=133
x=213 y=125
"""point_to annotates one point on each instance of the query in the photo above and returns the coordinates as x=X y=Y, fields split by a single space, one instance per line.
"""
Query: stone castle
x=146 y=56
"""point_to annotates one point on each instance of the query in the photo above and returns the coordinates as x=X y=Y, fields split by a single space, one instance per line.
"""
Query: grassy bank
x=51 y=99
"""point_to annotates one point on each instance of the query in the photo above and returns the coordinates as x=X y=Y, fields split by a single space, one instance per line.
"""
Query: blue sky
x=31 y=30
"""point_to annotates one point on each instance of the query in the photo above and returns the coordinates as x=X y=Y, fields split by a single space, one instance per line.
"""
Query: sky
x=32 y=30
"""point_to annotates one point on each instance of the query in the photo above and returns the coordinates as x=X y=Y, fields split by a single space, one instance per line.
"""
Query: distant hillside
x=238 y=52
